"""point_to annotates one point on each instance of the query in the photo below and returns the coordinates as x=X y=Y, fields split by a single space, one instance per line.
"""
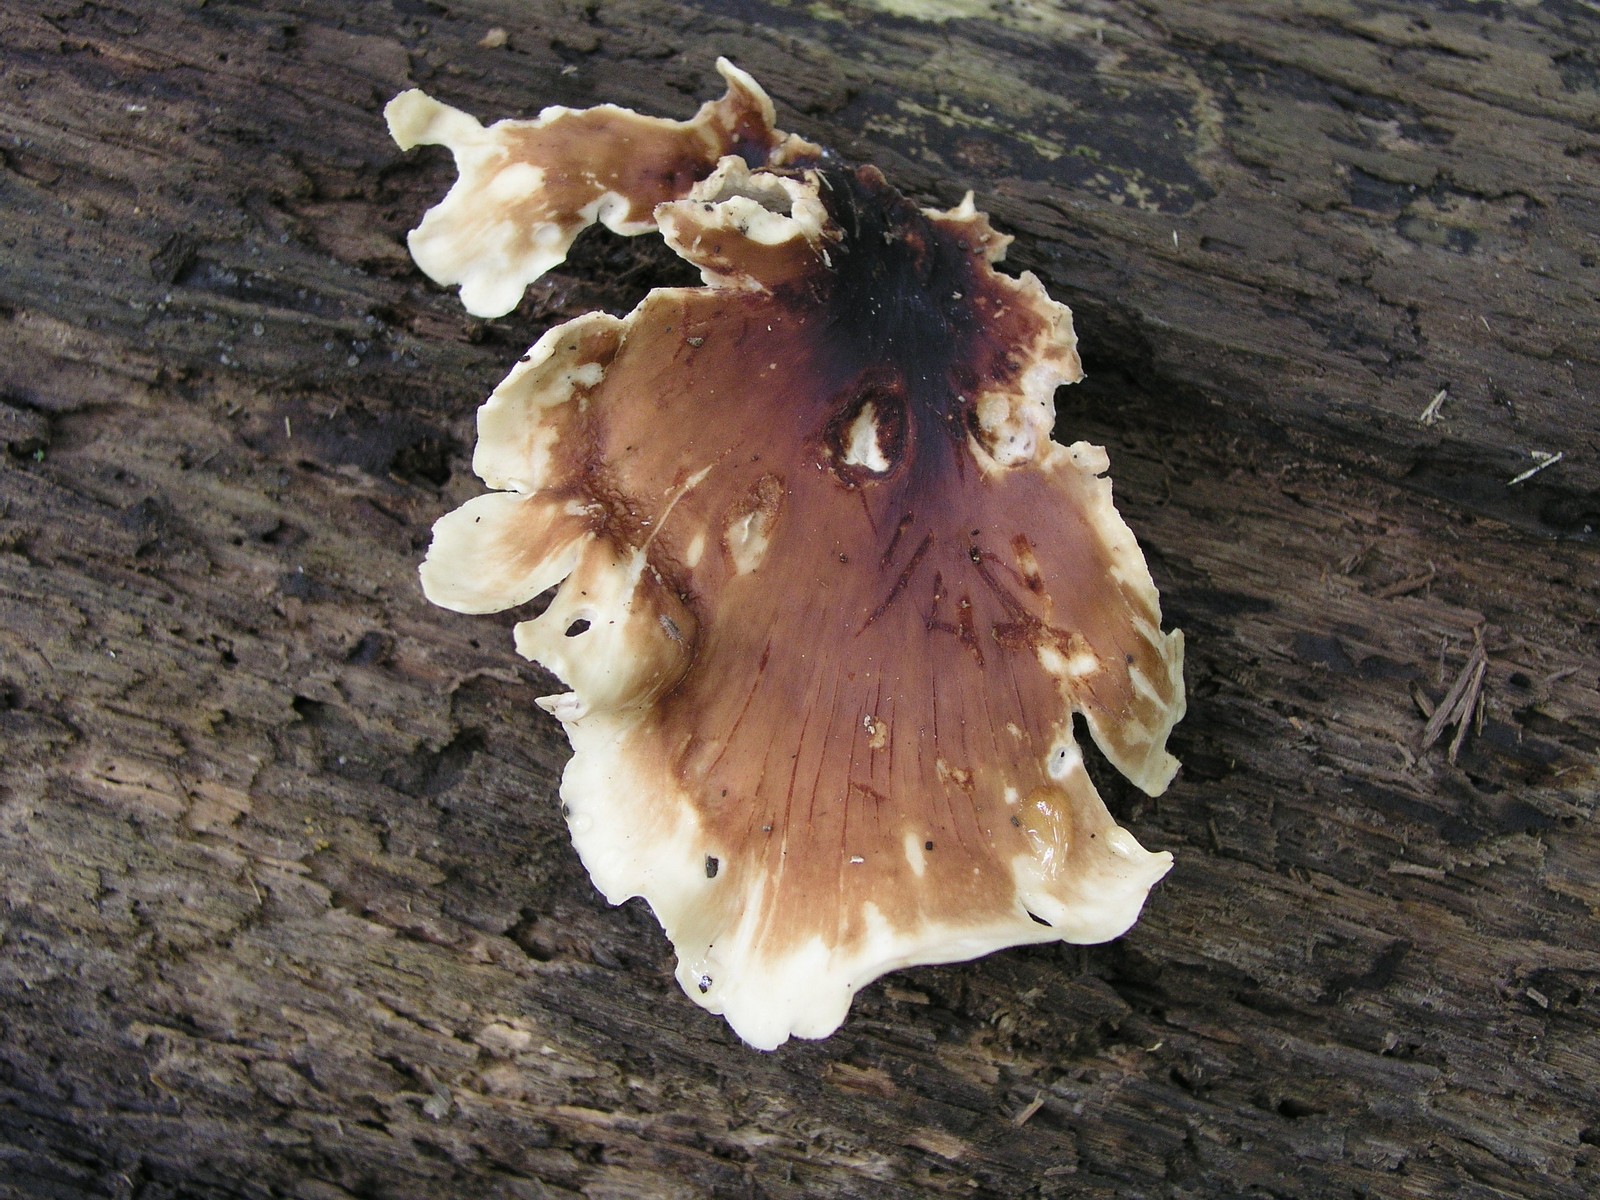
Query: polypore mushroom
x=829 y=594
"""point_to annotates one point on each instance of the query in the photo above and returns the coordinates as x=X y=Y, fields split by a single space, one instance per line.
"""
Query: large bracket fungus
x=829 y=595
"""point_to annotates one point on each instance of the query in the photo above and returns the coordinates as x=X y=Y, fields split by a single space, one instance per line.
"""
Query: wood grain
x=288 y=906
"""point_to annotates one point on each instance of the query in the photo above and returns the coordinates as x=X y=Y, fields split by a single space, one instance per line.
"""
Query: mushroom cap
x=828 y=597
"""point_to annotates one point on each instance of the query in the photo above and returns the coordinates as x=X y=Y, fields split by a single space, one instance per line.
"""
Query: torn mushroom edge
x=492 y=275
x=806 y=993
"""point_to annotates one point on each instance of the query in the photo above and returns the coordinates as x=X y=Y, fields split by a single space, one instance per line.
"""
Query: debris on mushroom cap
x=829 y=594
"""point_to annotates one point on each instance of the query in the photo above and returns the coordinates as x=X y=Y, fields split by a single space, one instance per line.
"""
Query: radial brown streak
x=782 y=869
x=866 y=511
x=903 y=524
x=845 y=862
x=750 y=694
x=816 y=682
x=993 y=727
x=894 y=739
x=968 y=632
x=1016 y=692
x=931 y=622
x=938 y=788
x=900 y=583
x=824 y=761
x=815 y=794
x=795 y=922
x=1034 y=631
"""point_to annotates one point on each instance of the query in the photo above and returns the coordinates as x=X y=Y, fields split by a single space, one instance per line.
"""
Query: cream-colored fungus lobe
x=528 y=188
x=829 y=595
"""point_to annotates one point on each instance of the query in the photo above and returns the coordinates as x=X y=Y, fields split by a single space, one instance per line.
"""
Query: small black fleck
x=566 y=810
x=711 y=867
x=927 y=845
x=704 y=984
x=1017 y=821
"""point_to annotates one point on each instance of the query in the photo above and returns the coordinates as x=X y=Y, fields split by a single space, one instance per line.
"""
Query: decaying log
x=288 y=905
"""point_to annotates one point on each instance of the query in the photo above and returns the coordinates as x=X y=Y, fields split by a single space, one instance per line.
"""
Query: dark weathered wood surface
x=288 y=909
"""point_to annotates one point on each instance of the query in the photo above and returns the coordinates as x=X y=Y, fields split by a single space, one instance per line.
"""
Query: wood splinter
x=1462 y=705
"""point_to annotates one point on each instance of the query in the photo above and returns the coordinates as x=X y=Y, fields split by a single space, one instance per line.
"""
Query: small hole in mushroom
x=704 y=983
x=711 y=867
x=862 y=448
x=867 y=437
x=577 y=627
x=1037 y=919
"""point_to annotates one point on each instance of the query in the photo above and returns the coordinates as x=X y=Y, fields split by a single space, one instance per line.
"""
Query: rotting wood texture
x=288 y=906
